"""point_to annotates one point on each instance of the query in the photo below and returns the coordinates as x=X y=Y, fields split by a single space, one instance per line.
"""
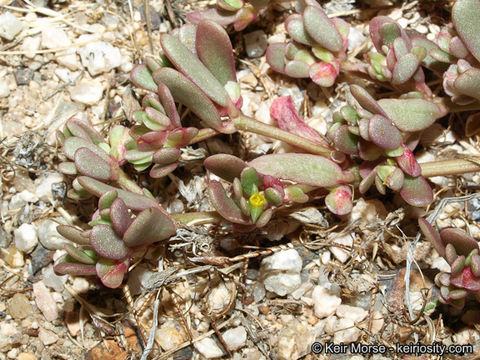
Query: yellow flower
x=257 y=200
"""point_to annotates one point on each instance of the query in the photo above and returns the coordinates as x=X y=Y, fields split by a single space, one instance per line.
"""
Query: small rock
x=107 y=350
x=54 y=38
x=353 y=313
x=49 y=237
x=26 y=237
x=170 y=334
x=72 y=319
x=13 y=354
x=30 y=45
x=26 y=356
x=208 y=348
x=52 y=280
x=23 y=76
x=368 y=211
x=235 y=338
x=47 y=337
x=10 y=334
x=4 y=89
x=9 y=26
x=44 y=185
x=88 y=92
x=99 y=56
x=138 y=279
x=80 y=285
x=19 y=306
x=45 y=301
x=295 y=340
x=255 y=43
x=377 y=322
x=14 y=257
x=281 y=272
x=298 y=293
x=340 y=252
x=40 y=258
x=325 y=304
x=346 y=331
x=219 y=298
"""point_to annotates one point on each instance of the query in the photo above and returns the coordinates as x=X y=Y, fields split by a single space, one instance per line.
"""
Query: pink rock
x=45 y=301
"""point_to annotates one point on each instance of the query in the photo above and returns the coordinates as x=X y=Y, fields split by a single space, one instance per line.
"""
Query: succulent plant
x=115 y=237
x=237 y=12
x=317 y=47
x=460 y=250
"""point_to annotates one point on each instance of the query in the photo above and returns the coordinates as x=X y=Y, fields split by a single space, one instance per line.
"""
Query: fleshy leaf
x=339 y=200
x=132 y=200
x=468 y=83
x=73 y=234
x=107 y=243
x=66 y=266
x=322 y=29
x=264 y=218
x=107 y=199
x=79 y=255
x=466 y=280
x=345 y=141
x=323 y=73
x=411 y=114
x=297 y=69
x=249 y=179
x=142 y=77
x=83 y=128
x=416 y=191
x=231 y=5
x=405 y=68
x=119 y=216
x=214 y=50
x=193 y=68
x=220 y=16
x=465 y=15
x=166 y=156
x=276 y=57
x=168 y=103
x=225 y=206
x=408 y=163
x=90 y=164
x=296 y=30
x=283 y=111
x=274 y=197
x=111 y=273
x=68 y=168
x=462 y=242
x=187 y=36
x=306 y=169
x=383 y=133
x=432 y=235
x=150 y=226
x=159 y=171
x=189 y=94
x=228 y=167
x=366 y=100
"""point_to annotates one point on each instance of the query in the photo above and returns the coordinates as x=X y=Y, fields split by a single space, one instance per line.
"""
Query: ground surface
x=351 y=291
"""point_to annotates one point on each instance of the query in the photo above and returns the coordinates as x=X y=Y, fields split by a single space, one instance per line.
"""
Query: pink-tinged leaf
x=458 y=265
x=367 y=182
x=65 y=266
x=306 y=169
x=73 y=234
x=158 y=120
x=458 y=48
x=345 y=141
x=322 y=29
x=450 y=253
x=475 y=265
x=366 y=100
x=284 y=113
x=193 y=68
x=383 y=133
x=90 y=164
x=133 y=201
x=106 y=200
x=142 y=77
x=120 y=216
x=181 y=137
x=107 y=243
x=220 y=16
x=466 y=280
x=187 y=36
x=363 y=128
x=214 y=50
x=339 y=200
x=408 y=163
x=168 y=103
x=297 y=69
x=465 y=15
x=405 y=68
x=391 y=176
x=369 y=151
x=428 y=61
x=461 y=241
x=276 y=57
x=79 y=255
x=151 y=140
x=411 y=114
x=382 y=189
x=468 y=83
x=166 y=156
x=416 y=191
x=111 y=273
x=323 y=74
x=432 y=235
x=150 y=226
x=225 y=206
x=68 y=168
x=244 y=17
x=72 y=144
x=228 y=167
x=189 y=94
x=296 y=30
x=158 y=171
x=383 y=31
x=400 y=48
x=230 y=5
x=264 y=218
x=80 y=128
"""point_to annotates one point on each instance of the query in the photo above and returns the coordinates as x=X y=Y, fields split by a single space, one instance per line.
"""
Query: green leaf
x=416 y=191
x=405 y=68
x=225 y=206
x=120 y=216
x=249 y=179
x=468 y=83
x=228 y=167
x=465 y=16
x=107 y=243
x=383 y=133
x=276 y=57
x=111 y=272
x=306 y=169
x=73 y=234
x=90 y=164
x=339 y=200
x=296 y=30
x=141 y=76
x=432 y=235
x=322 y=29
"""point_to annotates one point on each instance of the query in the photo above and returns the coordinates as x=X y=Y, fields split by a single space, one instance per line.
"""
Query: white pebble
x=346 y=331
x=353 y=313
x=99 y=56
x=26 y=237
x=54 y=38
x=255 y=43
x=9 y=26
x=47 y=337
x=208 y=348
x=4 y=89
x=281 y=272
x=88 y=92
x=44 y=186
x=235 y=338
x=49 y=237
x=325 y=304
x=340 y=252
x=53 y=280
x=45 y=301
x=31 y=45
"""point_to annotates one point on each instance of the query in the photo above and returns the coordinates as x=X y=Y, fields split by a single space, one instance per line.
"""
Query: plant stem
x=248 y=124
x=197 y=218
x=203 y=134
x=450 y=167
x=128 y=184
